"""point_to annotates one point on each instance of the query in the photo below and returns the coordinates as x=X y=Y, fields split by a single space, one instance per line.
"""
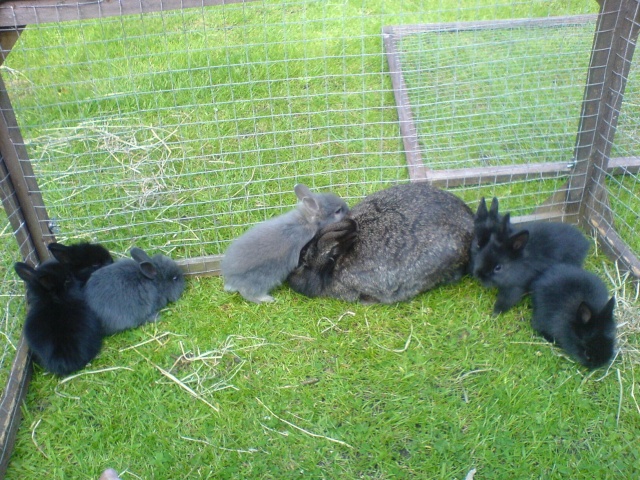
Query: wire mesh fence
x=175 y=130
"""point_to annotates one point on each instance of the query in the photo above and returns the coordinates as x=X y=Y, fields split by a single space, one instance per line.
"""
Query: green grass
x=425 y=389
x=135 y=140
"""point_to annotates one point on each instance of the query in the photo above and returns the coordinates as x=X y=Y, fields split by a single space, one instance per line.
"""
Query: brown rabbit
x=394 y=244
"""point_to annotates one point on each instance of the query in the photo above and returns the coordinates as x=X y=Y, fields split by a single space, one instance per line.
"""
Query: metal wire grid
x=518 y=105
x=176 y=130
x=11 y=297
x=623 y=191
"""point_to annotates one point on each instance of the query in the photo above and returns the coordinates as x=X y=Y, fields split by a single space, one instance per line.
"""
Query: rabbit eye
x=175 y=278
x=497 y=268
x=338 y=211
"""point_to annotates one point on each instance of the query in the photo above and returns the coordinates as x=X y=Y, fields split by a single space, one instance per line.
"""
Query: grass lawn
x=143 y=134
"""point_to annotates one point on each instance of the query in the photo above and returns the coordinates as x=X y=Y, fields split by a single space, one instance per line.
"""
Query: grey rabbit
x=260 y=259
x=572 y=308
x=394 y=244
x=514 y=258
x=131 y=291
x=82 y=258
x=61 y=330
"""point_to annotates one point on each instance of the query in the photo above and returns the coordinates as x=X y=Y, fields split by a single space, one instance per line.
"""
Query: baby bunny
x=485 y=222
x=394 y=244
x=60 y=328
x=511 y=261
x=261 y=259
x=572 y=308
x=82 y=258
x=130 y=292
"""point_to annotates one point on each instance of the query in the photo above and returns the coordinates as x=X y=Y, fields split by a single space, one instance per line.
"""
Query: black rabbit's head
x=52 y=279
x=595 y=335
x=485 y=223
x=493 y=264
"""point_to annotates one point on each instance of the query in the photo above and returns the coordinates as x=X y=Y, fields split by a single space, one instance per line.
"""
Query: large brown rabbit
x=394 y=244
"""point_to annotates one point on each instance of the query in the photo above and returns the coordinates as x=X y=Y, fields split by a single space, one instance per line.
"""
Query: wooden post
x=24 y=205
x=613 y=47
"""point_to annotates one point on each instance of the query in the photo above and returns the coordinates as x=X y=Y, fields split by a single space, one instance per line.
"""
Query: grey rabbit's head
x=163 y=271
x=593 y=340
x=320 y=209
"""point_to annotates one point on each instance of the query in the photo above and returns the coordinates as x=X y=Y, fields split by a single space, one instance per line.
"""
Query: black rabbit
x=572 y=308
x=394 y=244
x=485 y=223
x=130 y=292
x=61 y=330
x=513 y=259
x=82 y=258
x=261 y=259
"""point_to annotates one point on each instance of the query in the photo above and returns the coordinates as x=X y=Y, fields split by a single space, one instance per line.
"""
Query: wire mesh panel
x=11 y=298
x=615 y=215
x=175 y=130
x=509 y=117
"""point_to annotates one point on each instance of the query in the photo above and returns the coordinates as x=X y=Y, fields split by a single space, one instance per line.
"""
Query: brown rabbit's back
x=411 y=237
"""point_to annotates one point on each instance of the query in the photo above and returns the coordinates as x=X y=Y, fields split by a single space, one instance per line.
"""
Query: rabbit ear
x=60 y=252
x=306 y=197
x=139 y=255
x=503 y=230
x=25 y=272
x=311 y=204
x=494 y=208
x=607 y=310
x=148 y=269
x=482 y=212
x=584 y=314
x=519 y=240
x=302 y=191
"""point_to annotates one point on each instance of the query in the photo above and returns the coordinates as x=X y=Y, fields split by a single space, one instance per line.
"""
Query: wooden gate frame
x=583 y=198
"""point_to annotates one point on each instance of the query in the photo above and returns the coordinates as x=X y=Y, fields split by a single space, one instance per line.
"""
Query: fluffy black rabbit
x=261 y=259
x=61 y=330
x=82 y=258
x=512 y=260
x=394 y=244
x=572 y=308
x=130 y=292
x=485 y=222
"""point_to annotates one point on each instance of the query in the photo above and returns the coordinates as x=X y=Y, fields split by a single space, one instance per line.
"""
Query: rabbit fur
x=512 y=260
x=82 y=258
x=572 y=308
x=61 y=330
x=131 y=291
x=396 y=243
x=260 y=260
